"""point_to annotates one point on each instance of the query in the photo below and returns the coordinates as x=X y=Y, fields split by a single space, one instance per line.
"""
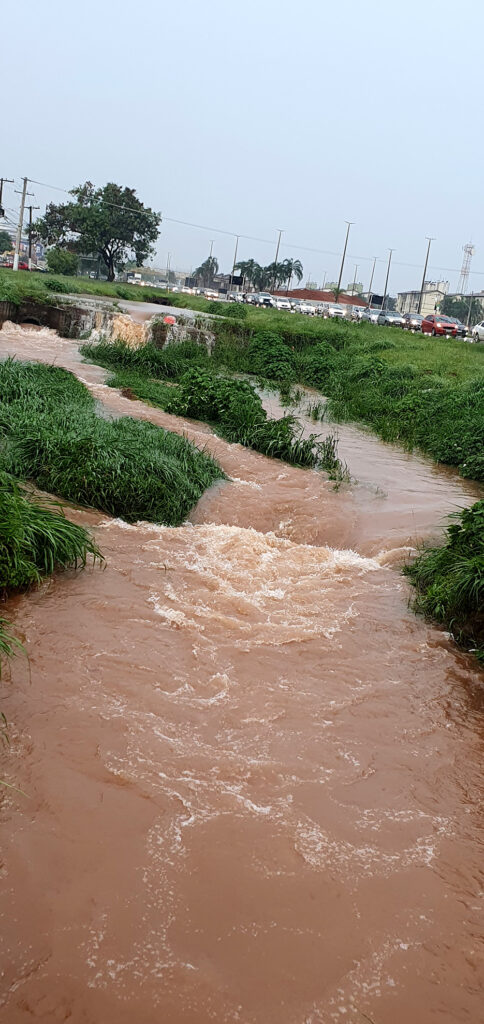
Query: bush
x=449 y=579
x=270 y=357
x=61 y=261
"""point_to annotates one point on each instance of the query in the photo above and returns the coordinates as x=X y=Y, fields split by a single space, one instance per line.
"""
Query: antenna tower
x=465 y=268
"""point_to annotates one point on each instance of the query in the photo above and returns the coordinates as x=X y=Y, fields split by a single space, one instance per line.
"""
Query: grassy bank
x=52 y=435
x=35 y=540
x=449 y=579
x=184 y=380
x=18 y=286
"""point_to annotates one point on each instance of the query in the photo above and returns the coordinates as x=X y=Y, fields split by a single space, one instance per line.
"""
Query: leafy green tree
x=61 y=261
x=459 y=308
x=109 y=222
x=5 y=242
x=205 y=273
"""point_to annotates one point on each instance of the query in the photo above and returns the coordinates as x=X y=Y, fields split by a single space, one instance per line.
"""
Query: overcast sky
x=261 y=115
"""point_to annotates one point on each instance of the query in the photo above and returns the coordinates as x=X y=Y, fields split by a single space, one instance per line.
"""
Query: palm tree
x=247 y=269
x=292 y=268
x=206 y=271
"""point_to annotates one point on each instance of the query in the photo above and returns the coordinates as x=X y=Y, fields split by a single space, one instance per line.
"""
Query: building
x=434 y=293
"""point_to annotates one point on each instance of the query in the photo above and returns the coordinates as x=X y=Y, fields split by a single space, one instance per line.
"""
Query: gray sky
x=261 y=115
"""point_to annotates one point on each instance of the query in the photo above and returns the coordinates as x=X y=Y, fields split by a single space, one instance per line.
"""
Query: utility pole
x=235 y=260
x=20 y=223
x=2 y=180
x=469 y=311
x=324 y=281
x=420 y=299
x=354 y=281
x=370 y=293
x=280 y=230
x=391 y=251
x=349 y=223
x=168 y=257
x=30 y=208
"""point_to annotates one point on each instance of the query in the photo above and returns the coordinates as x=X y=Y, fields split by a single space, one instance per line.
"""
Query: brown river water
x=251 y=775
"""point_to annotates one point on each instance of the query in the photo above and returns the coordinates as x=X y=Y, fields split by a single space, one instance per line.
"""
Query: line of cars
x=435 y=324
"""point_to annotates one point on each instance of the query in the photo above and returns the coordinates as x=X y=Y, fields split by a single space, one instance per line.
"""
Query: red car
x=439 y=325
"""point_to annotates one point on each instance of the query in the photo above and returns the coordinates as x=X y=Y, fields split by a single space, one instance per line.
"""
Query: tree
x=293 y=268
x=460 y=308
x=61 y=261
x=109 y=222
x=205 y=273
x=5 y=242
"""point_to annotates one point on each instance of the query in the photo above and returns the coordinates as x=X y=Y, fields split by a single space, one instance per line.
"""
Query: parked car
x=438 y=325
x=371 y=315
x=461 y=328
x=336 y=311
x=478 y=332
x=308 y=308
x=284 y=304
x=265 y=299
x=389 y=318
x=412 y=321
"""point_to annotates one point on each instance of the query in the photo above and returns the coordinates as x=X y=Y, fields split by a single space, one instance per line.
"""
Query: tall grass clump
x=449 y=579
x=36 y=540
x=169 y=362
x=129 y=468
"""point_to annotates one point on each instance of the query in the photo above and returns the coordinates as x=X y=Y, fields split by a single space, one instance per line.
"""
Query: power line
x=254 y=238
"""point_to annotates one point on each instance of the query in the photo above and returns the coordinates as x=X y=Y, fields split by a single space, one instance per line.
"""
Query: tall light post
x=280 y=230
x=370 y=293
x=235 y=260
x=354 y=280
x=420 y=298
x=390 y=251
x=348 y=223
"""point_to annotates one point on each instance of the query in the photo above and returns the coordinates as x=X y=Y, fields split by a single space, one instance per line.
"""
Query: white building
x=433 y=294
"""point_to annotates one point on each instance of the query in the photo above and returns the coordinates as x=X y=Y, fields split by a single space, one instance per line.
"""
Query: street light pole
x=391 y=251
x=280 y=230
x=231 y=282
x=370 y=293
x=354 y=281
x=349 y=223
x=420 y=299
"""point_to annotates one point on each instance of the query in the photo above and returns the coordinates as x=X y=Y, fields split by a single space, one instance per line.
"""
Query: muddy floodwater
x=252 y=776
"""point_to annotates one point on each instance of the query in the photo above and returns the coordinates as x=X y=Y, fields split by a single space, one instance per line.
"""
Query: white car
x=283 y=304
x=478 y=332
x=336 y=311
x=307 y=308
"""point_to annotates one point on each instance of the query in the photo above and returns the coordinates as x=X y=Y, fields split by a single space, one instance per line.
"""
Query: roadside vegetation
x=185 y=381
x=51 y=436
x=36 y=539
x=449 y=579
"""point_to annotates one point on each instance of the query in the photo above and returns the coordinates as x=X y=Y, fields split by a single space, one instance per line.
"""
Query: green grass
x=36 y=539
x=449 y=579
x=198 y=391
x=126 y=467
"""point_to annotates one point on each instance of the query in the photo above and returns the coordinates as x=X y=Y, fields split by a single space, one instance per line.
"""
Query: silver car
x=478 y=332
x=389 y=318
x=371 y=315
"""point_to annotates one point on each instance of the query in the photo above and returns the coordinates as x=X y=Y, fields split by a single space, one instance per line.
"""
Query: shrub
x=449 y=579
x=61 y=261
x=270 y=357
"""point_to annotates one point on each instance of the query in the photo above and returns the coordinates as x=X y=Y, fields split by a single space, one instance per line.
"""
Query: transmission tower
x=465 y=268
